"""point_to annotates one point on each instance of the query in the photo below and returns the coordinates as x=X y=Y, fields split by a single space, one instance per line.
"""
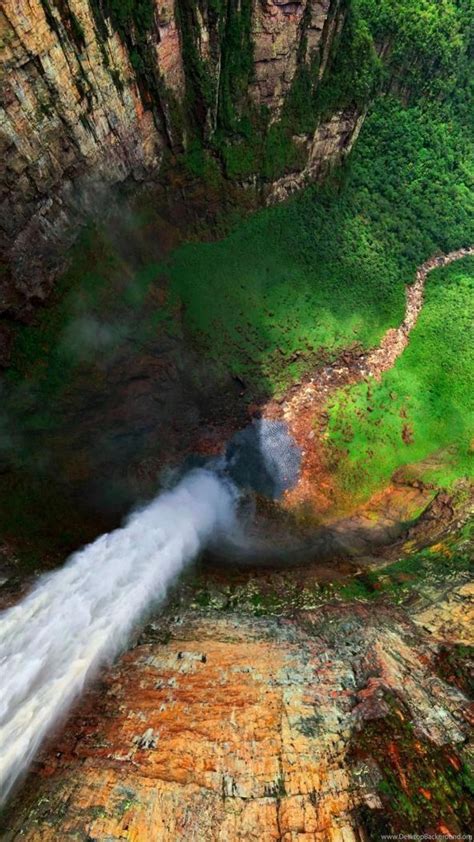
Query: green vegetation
x=427 y=40
x=424 y=47
x=237 y=63
x=98 y=300
x=98 y=310
x=134 y=20
x=421 y=784
x=279 y=594
x=200 y=85
x=297 y=282
x=294 y=285
x=355 y=73
x=125 y=14
x=398 y=580
x=415 y=48
x=424 y=405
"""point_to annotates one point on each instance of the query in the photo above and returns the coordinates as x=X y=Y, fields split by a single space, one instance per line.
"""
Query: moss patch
x=423 y=788
x=455 y=664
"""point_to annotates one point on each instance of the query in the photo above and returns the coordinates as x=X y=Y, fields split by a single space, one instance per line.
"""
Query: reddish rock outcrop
x=244 y=728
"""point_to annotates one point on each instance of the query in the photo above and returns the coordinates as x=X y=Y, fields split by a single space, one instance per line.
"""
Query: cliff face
x=268 y=707
x=285 y=32
x=93 y=93
x=71 y=111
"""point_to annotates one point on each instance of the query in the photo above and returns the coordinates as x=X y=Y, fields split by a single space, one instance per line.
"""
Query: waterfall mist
x=80 y=616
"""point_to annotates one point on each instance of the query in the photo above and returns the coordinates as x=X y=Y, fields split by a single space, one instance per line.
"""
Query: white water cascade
x=80 y=616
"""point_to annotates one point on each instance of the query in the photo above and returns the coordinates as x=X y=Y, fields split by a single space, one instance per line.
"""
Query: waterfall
x=79 y=617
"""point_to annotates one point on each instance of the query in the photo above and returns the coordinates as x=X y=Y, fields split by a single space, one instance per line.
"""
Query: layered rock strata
x=89 y=99
x=223 y=726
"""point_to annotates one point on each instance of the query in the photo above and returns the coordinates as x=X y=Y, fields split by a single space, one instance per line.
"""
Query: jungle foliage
x=414 y=49
x=328 y=269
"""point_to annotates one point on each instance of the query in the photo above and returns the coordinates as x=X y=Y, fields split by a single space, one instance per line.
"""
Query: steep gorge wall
x=265 y=94
x=96 y=91
x=71 y=112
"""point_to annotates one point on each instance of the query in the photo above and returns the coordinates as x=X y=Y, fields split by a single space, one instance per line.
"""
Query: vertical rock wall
x=286 y=33
x=88 y=99
x=71 y=117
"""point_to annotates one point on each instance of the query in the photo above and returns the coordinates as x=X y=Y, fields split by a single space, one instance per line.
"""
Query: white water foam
x=80 y=616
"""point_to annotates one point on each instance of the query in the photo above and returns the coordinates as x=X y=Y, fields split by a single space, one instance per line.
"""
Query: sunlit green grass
x=429 y=394
x=292 y=284
x=289 y=287
x=328 y=268
x=263 y=306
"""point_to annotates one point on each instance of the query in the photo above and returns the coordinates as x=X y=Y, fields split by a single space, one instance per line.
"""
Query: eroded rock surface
x=90 y=98
x=321 y=719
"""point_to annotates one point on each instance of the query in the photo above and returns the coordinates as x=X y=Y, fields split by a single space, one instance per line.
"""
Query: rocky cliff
x=96 y=91
x=276 y=706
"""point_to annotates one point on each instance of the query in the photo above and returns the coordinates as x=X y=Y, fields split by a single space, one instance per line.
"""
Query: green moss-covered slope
x=329 y=268
x=424 y=406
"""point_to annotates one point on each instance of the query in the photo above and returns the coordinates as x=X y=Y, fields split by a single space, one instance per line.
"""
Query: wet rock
x=238 y=726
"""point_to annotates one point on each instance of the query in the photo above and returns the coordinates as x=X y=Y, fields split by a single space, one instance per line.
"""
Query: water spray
x=80 y=617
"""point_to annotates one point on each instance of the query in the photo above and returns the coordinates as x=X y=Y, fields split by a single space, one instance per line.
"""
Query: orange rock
x=238 y=728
